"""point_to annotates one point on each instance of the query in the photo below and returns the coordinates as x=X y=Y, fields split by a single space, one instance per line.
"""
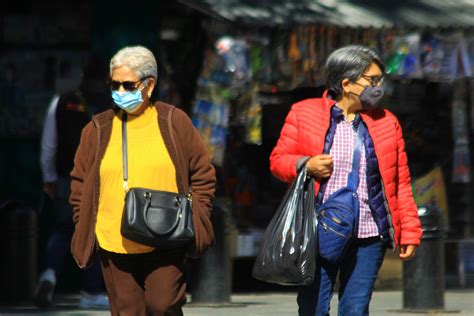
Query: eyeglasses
x=127 y=85
x=374 y=80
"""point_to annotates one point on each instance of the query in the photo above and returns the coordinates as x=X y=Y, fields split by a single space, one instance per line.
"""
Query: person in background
x=66 y=117
x=139 y=279
x=325 y=129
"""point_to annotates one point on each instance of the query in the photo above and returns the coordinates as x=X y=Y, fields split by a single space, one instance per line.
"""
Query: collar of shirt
x=338 y=116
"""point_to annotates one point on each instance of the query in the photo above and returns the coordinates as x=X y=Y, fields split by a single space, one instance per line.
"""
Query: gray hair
x=349 y=62
x=138 y=58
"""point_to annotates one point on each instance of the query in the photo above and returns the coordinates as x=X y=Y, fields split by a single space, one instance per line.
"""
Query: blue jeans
x=357 y=274
x=59 y=242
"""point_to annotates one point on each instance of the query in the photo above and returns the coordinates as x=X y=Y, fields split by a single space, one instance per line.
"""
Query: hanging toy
x=293 y=51
x=294 y=55
x=395 y=61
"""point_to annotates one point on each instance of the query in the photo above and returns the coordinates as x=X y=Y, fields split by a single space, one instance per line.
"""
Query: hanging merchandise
x=431 y=55
x=260 y=58
x=211 y=120
x=306 y=62
x=215 y=70
x=256 y=59
x=226 y=74
x=283 y=64
x=395 y=62
x=267 y=71
x=287 y=59
x=369 y=38
x=294 y=55
x=461 y=155
x=322 y=41
x=379 y=44
x=254 y=120
x=470 y=50
x=321 y=53
x=471 y=98
x=464 y=60
x=386 y=43
x=236 y=61
x=254 y=124
x=404 y=59
x=448 y=60
x=332 y=31
x=313 y=61
x=455 y=61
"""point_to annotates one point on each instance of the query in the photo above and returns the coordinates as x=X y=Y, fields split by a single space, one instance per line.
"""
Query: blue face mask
x=128 y=101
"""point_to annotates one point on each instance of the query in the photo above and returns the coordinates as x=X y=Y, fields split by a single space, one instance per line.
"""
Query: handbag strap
x=124 y=151
x=353 y=177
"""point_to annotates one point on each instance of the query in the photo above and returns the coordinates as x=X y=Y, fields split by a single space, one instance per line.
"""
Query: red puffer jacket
x=303 y=134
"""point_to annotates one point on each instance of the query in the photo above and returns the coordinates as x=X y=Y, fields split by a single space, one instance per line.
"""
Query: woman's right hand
x=320 y=166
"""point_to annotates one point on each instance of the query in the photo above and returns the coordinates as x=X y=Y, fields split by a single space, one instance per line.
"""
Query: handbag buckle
x=125 y=186
x=147 y=195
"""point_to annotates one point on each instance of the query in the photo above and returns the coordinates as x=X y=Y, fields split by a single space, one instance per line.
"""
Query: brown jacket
x=193 y=170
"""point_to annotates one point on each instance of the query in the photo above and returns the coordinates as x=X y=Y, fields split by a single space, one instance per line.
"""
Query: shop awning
x=352 y=13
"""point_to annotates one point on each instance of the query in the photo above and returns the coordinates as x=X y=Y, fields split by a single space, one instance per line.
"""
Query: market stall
x=275 y=57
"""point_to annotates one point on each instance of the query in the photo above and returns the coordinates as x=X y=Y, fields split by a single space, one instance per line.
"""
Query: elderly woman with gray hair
x=326 y=130
x=139 y=279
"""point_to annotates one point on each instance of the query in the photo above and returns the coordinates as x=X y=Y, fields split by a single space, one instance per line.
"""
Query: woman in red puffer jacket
x=325 y=130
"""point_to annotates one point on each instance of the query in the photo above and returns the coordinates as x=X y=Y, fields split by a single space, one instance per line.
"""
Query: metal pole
x=423 y=277
x=212 y=279
x=19 y=253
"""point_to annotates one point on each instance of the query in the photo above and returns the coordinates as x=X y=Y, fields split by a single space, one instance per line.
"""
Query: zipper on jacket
x=387 y=208
x=367 y=178
x=391 y=231
x=324 y=181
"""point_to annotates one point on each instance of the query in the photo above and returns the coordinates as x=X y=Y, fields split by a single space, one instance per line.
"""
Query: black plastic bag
x=287 y=255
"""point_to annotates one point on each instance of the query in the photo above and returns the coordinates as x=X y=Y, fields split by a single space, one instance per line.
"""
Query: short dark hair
x=349 y=62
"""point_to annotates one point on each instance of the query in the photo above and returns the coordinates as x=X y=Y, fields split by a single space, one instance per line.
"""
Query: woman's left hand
x=407 y=252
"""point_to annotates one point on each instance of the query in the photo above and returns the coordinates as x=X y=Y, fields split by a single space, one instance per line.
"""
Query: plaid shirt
x=342 y=151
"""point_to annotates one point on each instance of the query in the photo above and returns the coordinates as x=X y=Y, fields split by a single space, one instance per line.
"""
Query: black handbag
x=155 y=218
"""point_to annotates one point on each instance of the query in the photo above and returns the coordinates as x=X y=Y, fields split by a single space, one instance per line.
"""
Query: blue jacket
x=374 y=182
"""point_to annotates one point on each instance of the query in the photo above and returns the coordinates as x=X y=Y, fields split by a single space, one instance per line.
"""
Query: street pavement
x=457 y=302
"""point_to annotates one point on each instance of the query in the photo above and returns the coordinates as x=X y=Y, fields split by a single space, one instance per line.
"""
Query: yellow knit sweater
x=149 y=166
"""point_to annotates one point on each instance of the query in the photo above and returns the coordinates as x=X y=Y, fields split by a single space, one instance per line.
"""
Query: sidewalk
x=275 y=304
